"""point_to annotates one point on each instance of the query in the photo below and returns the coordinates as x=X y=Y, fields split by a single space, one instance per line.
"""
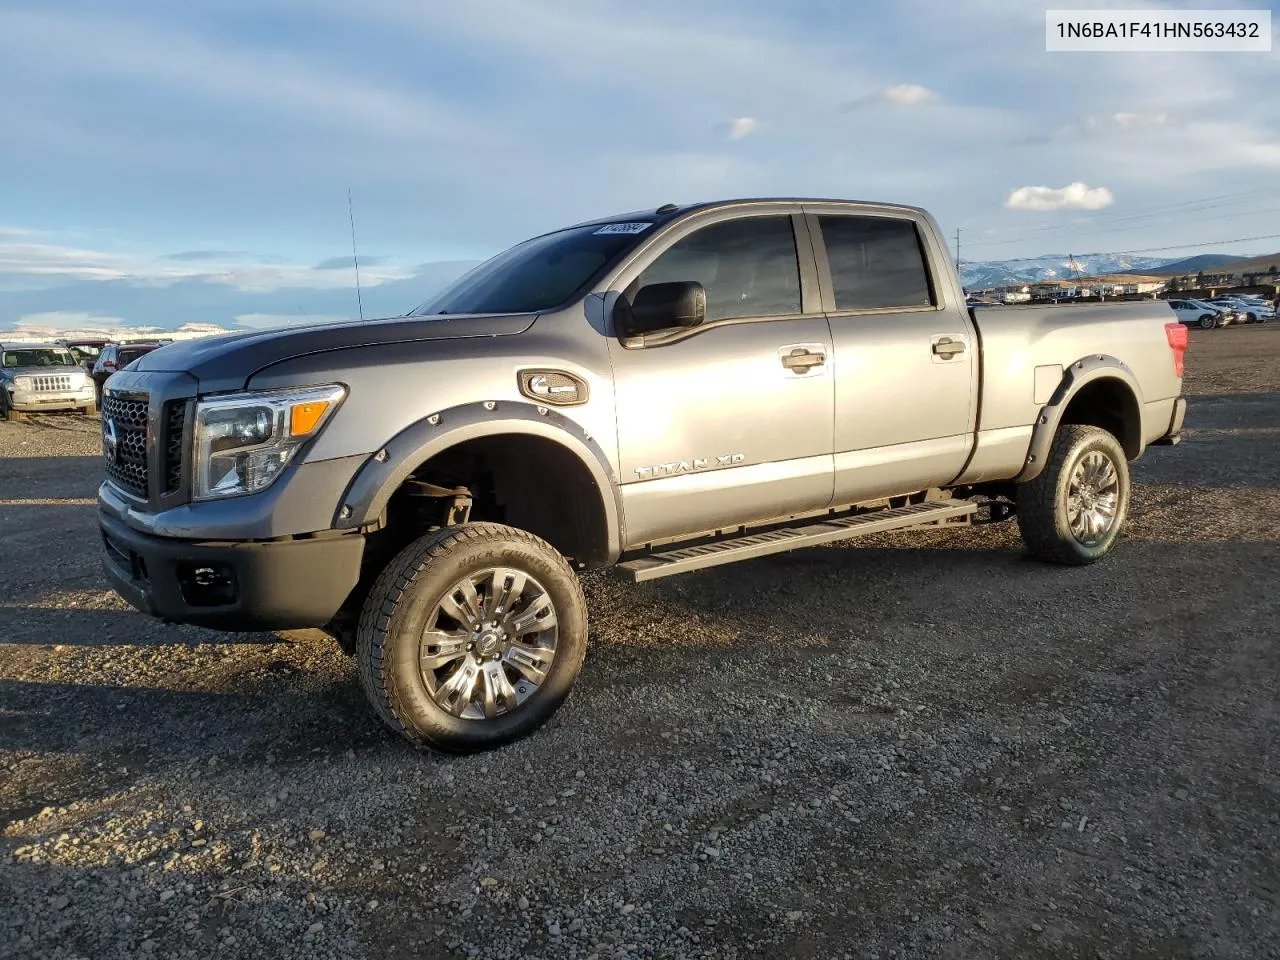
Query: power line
x=1225 y=199
x=1114 y=223
x=1121 y=253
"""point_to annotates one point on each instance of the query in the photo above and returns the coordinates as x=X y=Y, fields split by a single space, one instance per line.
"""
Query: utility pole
x=957 y=250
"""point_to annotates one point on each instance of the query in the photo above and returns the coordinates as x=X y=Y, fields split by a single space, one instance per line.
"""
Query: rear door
x=906 y=362
x=720 y=424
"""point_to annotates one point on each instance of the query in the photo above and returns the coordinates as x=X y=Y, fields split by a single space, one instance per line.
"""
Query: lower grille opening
x=207 y=584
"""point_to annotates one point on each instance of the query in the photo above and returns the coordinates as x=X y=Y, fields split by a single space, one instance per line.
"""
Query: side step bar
x=679 y=559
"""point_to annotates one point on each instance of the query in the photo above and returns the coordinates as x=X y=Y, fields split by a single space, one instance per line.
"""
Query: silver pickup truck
x=662 y=392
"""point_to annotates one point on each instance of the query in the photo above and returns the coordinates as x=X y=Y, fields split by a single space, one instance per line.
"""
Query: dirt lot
x=921 y=746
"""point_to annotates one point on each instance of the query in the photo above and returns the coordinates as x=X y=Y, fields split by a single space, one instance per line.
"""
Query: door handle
x=800 y=360
x=947 y=348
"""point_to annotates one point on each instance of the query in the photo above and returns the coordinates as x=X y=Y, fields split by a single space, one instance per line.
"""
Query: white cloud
x=268 y=321
x=741 y=127
x=908 y=95
x=46 y=262
x=1138 y=121
x=900 y=95
x=274 y=80
x=1074 y=196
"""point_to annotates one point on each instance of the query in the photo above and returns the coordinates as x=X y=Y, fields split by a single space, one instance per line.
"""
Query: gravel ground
x=916 y=746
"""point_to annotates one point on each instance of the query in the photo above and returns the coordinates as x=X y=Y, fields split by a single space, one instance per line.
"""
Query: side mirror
x=661 y=306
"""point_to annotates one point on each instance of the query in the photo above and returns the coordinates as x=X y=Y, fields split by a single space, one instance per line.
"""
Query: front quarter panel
x=392 y=386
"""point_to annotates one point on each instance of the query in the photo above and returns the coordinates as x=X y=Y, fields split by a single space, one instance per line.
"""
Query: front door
x=905 y=359
x=730 y=422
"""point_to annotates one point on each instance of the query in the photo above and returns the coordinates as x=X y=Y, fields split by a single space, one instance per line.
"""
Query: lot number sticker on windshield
x=624 y=227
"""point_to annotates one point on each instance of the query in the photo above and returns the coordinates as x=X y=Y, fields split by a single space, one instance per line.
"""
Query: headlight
x=22 y=383
x=243 y=441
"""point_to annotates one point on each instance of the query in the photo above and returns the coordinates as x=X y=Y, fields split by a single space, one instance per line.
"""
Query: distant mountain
x=1266 y=263
x=1203 y=261
x=1058 y=266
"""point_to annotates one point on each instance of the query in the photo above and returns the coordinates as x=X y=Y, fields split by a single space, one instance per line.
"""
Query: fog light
x=207 y=584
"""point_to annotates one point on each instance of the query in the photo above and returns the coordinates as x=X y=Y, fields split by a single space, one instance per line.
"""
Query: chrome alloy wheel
x=488 y=644
x=1093 y=498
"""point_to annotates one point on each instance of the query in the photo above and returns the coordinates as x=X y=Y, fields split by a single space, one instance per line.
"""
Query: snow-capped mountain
x=1058 y=266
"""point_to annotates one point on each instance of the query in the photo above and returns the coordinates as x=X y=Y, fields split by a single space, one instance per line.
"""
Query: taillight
x=1177 y=336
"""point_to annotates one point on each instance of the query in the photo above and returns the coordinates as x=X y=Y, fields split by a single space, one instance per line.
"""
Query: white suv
x=1197 y=313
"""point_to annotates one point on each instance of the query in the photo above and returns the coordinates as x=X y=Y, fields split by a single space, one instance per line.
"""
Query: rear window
x=538 y=274
x=128 y=354
x=876 y=263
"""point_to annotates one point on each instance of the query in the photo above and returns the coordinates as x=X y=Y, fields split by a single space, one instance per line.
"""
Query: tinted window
x=130 y=354
x=747 y=266
x=538 y=274
x=875 y=262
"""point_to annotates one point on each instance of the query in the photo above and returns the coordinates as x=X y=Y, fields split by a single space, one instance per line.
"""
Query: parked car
x=41 y=376
x=662 y=391
x=1246 y=311
x=115 y=357
x=1198 y=313
x=1261 y=310
x=85 y=351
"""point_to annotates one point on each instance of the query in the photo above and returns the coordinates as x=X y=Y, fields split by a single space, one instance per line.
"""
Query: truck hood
x=226 y=362
x=73 y=371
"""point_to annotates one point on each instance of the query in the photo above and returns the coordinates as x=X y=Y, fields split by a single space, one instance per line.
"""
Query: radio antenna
x=355 y=259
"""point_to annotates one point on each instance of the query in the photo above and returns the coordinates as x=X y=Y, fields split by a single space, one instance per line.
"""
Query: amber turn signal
x=303 y=417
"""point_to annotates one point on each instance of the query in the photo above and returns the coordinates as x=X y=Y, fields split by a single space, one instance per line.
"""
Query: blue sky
x=166 y=163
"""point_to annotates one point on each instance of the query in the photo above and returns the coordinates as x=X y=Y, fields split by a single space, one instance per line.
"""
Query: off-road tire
x=1042 y=502
x=405 y=594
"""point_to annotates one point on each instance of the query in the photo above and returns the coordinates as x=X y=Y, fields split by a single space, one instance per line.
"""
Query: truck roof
x=670 y=211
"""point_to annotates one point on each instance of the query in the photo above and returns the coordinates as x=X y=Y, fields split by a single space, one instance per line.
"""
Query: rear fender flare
x=381 y=475
x=1086 y=370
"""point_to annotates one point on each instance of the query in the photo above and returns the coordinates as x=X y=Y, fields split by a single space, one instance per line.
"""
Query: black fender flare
x=383 y=472
x=1086 y=370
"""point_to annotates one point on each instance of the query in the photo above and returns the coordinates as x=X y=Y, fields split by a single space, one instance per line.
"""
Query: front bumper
x=231 y=585
x=32 y=401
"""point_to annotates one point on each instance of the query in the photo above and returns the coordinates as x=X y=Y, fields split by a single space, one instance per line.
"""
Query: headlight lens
x=22 y=383
x=243 y=441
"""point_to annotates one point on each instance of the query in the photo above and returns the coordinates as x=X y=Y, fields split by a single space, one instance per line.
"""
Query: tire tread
x=384 y=597
x=1037 y=499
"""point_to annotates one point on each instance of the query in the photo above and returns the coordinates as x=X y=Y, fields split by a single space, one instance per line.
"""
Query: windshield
x=38 y=357
x=83 y=353
x=538 y=274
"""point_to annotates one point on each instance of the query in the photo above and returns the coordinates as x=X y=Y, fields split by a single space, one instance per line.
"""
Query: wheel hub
x=1093 y=498
x=489 y=644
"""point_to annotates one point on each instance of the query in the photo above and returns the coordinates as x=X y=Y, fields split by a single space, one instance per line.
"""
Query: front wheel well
x=1108 y=403
x=528 y=482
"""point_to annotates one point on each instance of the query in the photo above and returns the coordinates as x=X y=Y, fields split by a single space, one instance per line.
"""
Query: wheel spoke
x=455 y=693
x=440 y=649
x=539 y=615
x=463 y=604
x=505 y=589
x=532 y=662
x=497 y=687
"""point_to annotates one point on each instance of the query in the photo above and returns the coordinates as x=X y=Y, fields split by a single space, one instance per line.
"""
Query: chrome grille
x=124 y=432
x=60 y=382
x=174 y=422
